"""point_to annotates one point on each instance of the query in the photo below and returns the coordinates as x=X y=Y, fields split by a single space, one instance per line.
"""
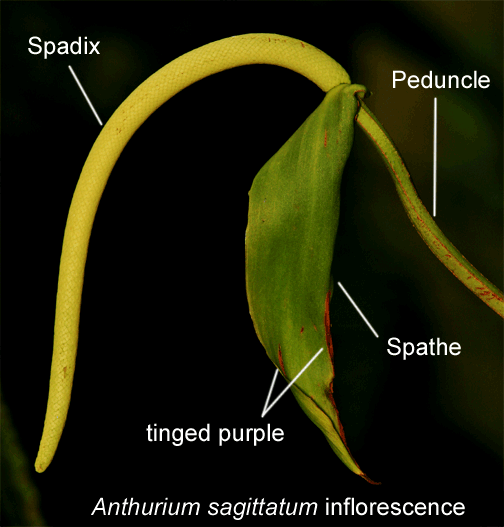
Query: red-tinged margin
x=280 y=360
x=330 y=349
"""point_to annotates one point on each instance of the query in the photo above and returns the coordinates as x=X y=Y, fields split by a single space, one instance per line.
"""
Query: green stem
x=431 y=234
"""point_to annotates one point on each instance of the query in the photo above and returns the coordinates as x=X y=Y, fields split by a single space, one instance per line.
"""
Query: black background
x=165 y=333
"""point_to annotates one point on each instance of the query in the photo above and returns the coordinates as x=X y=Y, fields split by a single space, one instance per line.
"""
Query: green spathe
x=292 y=223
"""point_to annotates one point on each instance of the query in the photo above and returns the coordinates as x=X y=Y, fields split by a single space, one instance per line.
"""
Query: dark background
x=165 y=333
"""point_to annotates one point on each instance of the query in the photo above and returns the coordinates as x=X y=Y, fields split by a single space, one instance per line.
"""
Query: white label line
x=267 y=408
x=434 y=170
x=358 y=310
x=84 y=93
